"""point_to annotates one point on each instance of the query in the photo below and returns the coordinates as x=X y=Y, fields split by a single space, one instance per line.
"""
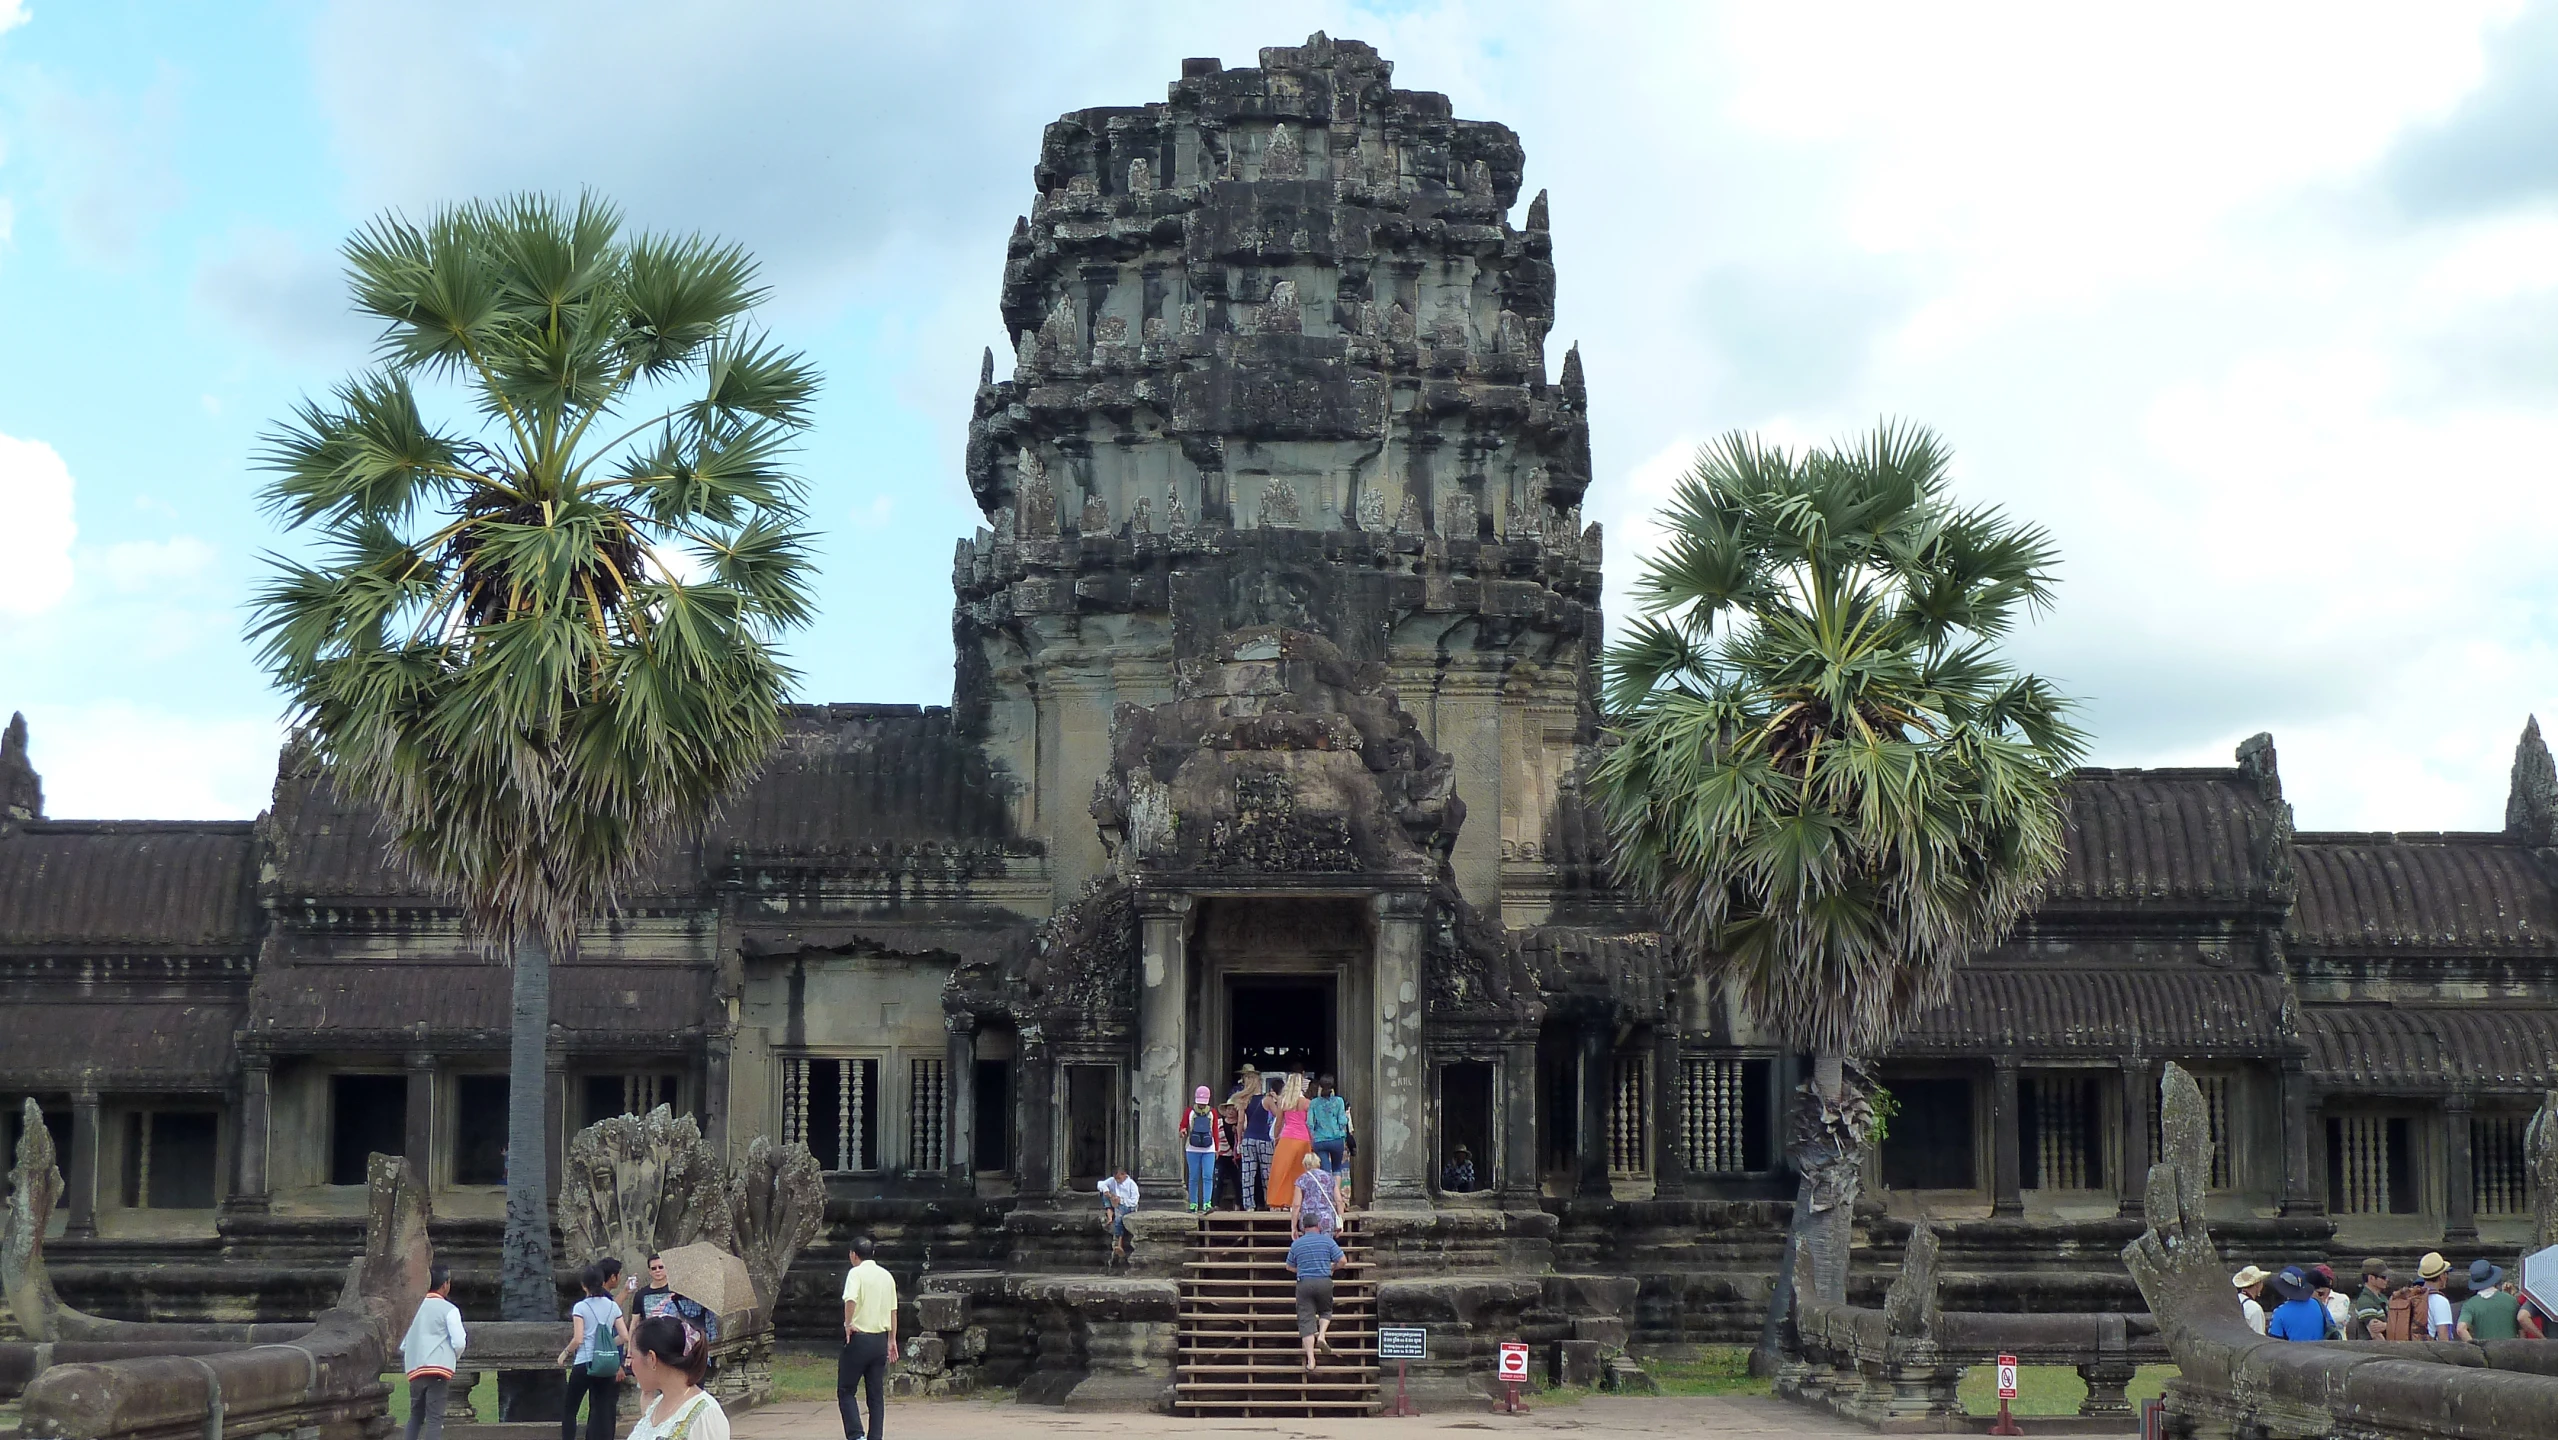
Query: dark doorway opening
x=1092 y=1131
x=367 y=1113
x=1559 y=1108
x=1929 y=1144
x=169 y=1159
x=479 y=1129
x=1465 y=1128
x=991 y=1146
x=1281 y=1024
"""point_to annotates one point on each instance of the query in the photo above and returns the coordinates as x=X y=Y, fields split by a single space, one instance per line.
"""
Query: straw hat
x=2249 y=1276
x=2432 y=1266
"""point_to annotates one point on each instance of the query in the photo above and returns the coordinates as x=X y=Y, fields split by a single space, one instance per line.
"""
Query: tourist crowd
x=2302 y=1302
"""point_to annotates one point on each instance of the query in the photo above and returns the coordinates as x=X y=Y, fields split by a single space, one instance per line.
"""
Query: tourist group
x=2305 y=1304
x=1261 y=1149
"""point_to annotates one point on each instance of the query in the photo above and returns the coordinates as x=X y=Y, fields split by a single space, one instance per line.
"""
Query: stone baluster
x=2110 y=1372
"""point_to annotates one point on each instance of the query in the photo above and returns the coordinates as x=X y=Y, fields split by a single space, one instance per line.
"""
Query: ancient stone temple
x=1275 y=681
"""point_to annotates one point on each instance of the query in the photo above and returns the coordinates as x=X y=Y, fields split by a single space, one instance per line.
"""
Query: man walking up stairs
x=1241 y=1349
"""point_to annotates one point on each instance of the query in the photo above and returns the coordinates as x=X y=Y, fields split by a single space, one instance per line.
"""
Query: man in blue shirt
x=2300 y=1316
x=1311 y=1259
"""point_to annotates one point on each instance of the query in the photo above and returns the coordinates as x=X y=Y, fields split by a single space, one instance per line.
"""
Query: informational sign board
x=1514 y=1361
x=2540 y=1281
x=1407 y=1342
x=2007 y=1377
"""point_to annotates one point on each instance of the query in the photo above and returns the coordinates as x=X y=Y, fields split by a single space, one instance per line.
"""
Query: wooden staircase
x=1239 y=1352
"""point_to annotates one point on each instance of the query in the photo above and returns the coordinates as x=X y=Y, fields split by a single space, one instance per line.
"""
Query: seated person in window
x=1457 y=1176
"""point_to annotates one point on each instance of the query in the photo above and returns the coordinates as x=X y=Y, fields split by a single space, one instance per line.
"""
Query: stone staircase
x=1238 y=1352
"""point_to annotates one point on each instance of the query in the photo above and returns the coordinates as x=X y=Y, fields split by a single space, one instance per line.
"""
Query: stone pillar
x=83 y=1221
x=1163 y=1044
x=248 y=1146
x=1399 y=1084
x=1035 y=1117
x=715 y=1059
x=417 y=1137
x=2007 y=1161
x=959 y=1063
x=1785 y=1102
x=554 y=1108
x=1515 y=1169
x=1598 y=1085
x=1669 y=1114
x=2299 y=1195
x=2460 y=1196
x=2140 y=1089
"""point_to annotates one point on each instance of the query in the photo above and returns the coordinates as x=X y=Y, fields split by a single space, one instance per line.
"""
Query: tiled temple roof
x=2462 y=892
x=467 y=1001
x=2165 y=1013
x=2200 y=836
x=2423 y=1048
x=854 y=778
x=176 y=885
x=125 y=1044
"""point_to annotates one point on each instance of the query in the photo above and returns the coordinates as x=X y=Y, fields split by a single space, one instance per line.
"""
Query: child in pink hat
x=1202 y=1131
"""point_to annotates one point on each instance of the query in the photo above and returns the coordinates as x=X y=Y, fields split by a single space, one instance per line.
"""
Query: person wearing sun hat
x=2438 y=1322
x=2250 y=1283
x=2491 y=1312
x=2300 y=1316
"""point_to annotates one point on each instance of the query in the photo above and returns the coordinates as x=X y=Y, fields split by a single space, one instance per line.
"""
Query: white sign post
x=2006 y=1391
x=1513 y=1374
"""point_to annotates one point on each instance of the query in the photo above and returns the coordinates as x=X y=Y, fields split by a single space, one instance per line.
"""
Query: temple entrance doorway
x=1281 y=1022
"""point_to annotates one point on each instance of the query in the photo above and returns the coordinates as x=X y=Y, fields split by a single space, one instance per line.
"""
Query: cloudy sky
x=2255 y=306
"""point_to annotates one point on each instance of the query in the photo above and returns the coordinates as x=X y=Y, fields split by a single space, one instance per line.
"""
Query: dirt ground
x=1597 y=1417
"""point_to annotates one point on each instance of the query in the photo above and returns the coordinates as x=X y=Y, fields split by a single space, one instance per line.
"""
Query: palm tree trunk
x=1830 y=1157
x=527 y=1288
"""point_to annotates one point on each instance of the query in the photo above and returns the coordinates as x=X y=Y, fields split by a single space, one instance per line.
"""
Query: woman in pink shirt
x=1288 y=1156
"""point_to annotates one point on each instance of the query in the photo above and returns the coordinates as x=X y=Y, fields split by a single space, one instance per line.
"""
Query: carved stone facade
x=1275 y=680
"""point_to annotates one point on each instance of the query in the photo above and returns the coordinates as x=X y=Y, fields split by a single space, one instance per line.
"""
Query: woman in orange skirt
x=1295 y=1142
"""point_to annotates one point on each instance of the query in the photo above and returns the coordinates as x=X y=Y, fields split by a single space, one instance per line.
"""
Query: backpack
x=606 y=1358
x=1203 y=1130
x=2401 y=1324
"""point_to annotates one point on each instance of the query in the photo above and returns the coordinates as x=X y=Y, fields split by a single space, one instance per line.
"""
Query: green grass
x=2049 y=1389
x=803 y=1375
x=483 y=1397
x=1717 y=1370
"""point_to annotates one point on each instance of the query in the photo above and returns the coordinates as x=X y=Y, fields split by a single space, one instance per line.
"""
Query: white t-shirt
x=1123 y=1191
x=599 y=1312
x=2339 y=1309
x=2254 y=1312
x=699 y=1418
x=2438 y=1323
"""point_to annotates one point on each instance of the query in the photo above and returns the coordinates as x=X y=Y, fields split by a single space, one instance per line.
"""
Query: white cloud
x=114 y=759
x=13 y=13
x=35 y=546
x=135 y=567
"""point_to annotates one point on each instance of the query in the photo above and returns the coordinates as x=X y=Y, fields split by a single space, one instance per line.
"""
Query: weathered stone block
x=928 y=1354
x=969 y=1344
x=941 y=1312
x=1576 y=1362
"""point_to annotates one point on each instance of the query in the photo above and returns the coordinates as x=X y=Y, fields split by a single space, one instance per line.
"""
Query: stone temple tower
x=1279 y=360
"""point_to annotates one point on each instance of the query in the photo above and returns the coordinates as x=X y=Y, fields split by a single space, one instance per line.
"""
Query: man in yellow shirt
x=870 y=1341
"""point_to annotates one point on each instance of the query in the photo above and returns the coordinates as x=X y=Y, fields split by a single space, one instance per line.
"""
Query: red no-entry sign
x=2007 y=1377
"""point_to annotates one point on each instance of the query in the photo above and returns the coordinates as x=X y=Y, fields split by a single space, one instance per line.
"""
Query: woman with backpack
x=1202 y=1137
x=593 y=1358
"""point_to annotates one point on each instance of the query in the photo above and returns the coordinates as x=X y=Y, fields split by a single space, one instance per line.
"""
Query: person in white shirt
x=2439 y=1324
x=2250 y=1283
x=669 y=1358
x=429 y=1352
x=1118 y=1197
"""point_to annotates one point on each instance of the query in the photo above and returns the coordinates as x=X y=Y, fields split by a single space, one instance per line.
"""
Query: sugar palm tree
x=536 y=630
x=1824 y=777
